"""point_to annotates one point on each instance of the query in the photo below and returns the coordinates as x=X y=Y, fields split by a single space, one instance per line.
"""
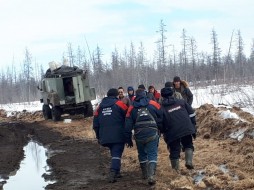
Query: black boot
x=175 y=164
x=112 y=177
x=118 y=175
x=151 y=173
x=188 y=158
x=143 y=167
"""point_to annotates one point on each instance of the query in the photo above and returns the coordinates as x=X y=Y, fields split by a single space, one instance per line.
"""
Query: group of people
x=145 y=116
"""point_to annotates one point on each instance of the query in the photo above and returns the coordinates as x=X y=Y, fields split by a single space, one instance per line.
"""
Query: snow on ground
x=240 y=96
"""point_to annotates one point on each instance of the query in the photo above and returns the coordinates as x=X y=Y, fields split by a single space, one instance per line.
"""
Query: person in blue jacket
x=144 y=116
x=178 y=128
x=108 y=124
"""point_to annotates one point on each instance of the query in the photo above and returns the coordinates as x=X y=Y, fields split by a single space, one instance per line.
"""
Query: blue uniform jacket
x=131 y=116
x=109 y=119
x=178 y=119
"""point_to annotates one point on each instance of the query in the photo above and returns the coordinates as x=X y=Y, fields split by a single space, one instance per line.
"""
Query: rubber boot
x=118 y=175
x=188 y=158
x=112 y=177
x=175 y=164
x=151 y=173
x=143 y=167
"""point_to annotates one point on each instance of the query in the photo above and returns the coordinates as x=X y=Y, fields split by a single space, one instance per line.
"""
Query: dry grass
x=213 y=148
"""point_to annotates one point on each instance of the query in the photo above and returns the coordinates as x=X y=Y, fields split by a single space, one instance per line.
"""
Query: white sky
x=46 y=27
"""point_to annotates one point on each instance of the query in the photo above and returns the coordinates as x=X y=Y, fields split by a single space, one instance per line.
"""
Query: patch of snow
x=29 y=107
x=249 y=110
x=12 y=109
x=199 y=176
x=239 y=134
x=67 y=120
x=223 y=168
x=251 y=133
x=228 y=114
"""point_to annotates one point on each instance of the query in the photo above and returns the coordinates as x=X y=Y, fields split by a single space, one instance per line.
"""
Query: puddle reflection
x=29 y=176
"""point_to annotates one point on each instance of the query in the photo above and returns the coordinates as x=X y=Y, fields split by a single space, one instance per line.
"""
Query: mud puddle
x=34 y=165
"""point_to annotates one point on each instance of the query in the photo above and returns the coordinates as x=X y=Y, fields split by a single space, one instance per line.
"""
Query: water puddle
x=34 y=165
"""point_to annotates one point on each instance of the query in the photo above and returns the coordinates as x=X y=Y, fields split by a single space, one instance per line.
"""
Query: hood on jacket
x=168 y=101
x=130 y=88
x=108 y=101
x=140 y=101
x=166 y=92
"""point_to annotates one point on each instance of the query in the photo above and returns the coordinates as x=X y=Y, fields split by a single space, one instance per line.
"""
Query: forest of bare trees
x=131 y=66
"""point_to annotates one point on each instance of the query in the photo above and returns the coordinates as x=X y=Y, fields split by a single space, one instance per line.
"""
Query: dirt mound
x=213 y=124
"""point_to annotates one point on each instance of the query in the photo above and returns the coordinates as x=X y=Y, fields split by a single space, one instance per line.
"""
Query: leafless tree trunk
x=184 y=54
x=216 y=55
x=71 y=56
x=28 y=73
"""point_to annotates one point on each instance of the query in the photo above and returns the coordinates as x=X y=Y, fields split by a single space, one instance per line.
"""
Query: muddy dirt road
x=78 y=162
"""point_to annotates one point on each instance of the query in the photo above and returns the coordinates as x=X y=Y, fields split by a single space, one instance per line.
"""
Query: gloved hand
x=129 y=144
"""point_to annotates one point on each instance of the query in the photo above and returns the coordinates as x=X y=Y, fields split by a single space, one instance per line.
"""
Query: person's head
x=130 y=90
x=113 y=92
x=176 y=81
x=140 y=93
x=166 y=92
x=142 y=87
x=120 y=92
x=169 y=84
x=151 y=89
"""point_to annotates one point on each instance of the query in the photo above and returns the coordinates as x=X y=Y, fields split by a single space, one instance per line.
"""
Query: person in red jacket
x=153 y=94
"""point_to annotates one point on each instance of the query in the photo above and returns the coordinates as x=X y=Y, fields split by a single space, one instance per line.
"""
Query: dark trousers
x=176 y=146
x=116 y=151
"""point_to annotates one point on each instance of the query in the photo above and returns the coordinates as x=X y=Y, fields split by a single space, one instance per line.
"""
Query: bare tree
x=216 y=55
x=228 y=64
x=161 y=48
x=184 y=54
x=193 y=47
x=28 y=73
x=142 y=76
x=98 y=68
x=71 y=56
x=240 y=57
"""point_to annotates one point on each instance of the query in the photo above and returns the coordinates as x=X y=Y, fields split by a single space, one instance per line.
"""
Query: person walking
x=182 y=87
x=108 y=124
x=145 y=117
x=178 y=128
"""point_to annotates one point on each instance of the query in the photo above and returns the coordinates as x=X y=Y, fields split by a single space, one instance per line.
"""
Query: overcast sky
x=45 y=27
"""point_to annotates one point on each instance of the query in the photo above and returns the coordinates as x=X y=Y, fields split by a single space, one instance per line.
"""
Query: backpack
x=145 y=118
